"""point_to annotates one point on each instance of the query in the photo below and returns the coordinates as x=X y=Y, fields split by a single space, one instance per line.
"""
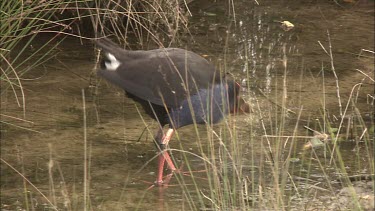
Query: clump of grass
x=288 y=174
x=147 y=23
x=20 y=23
x=23 y=22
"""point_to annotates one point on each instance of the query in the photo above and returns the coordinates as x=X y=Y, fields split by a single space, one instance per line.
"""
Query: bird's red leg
x=159 y=179
x=165 y=141
x=164 y=156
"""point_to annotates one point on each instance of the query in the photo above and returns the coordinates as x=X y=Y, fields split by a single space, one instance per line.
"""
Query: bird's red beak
x=242 y=106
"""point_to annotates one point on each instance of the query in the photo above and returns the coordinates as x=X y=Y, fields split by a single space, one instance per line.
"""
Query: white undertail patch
x=113 y=63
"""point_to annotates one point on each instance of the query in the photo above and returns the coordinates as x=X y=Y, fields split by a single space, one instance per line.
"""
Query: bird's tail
x=112 y=53
x=108 y=46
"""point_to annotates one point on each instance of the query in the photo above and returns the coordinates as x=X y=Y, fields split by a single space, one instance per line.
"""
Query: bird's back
x=164 y=76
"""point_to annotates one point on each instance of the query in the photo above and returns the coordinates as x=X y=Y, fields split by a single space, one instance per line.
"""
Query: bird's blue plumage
x=206 y=106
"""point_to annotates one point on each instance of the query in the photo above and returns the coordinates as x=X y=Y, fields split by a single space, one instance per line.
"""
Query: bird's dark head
x=237 y=104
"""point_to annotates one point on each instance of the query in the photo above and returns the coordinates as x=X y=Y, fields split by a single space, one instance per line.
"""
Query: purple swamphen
x=174 y=86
